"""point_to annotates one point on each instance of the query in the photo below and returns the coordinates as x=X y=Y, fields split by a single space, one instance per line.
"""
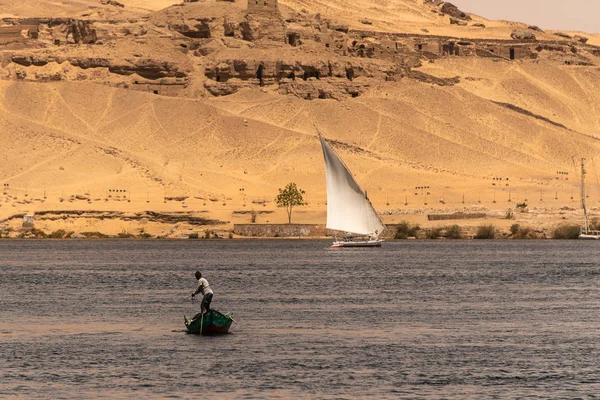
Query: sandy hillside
x=505 y=131
x=410 y=16
x=75 y=8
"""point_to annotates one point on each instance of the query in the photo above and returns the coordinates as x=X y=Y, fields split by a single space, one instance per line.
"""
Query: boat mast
x=585 y=217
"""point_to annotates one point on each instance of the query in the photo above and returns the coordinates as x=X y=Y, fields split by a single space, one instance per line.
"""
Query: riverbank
x=466 y=223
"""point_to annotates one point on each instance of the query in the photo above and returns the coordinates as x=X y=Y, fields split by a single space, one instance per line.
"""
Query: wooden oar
x=201 y=322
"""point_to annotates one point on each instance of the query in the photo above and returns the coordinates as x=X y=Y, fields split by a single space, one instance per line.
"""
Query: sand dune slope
x=78 y=138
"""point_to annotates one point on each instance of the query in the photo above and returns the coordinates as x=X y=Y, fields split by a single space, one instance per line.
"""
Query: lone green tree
x=289 y=198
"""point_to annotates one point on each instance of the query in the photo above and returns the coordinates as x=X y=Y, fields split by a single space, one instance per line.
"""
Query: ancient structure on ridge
x=268 y=8
x=264 y=21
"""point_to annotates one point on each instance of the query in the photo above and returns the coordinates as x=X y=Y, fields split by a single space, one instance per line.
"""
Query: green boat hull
x=213 y=323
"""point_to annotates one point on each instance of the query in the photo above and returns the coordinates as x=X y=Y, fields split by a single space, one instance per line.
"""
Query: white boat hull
x=589 y=236
x=366 y=243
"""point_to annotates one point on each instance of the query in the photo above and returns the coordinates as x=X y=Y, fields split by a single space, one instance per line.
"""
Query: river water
x=414 y=319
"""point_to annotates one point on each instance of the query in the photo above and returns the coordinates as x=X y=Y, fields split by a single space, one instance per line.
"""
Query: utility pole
x=585 y=217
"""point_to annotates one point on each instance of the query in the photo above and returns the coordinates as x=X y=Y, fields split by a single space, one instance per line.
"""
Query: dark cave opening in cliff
x=311 y=74
x=349 y=73
x=293 y=39
x=201 y=31
x=259 y=74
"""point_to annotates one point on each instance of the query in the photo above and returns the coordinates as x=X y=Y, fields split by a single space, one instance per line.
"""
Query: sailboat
x=348 y=207
x=586 y=233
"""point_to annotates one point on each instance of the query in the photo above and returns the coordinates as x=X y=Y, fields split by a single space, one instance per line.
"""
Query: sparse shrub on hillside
x=509 y=214
x=144 y=235
x=566 y=231
x=39 y=234
x=514 y=228
x=486 y=232
x=208 y=234
x=453 y=232
x=125 y=235
x=522 y=206
x=404 y=230
x=33 y=234
x=193 y=235
x=94 y=235
x=253 y=215
x=6 y=233
x=524 y=232
x=59 y=234
x=433 y=233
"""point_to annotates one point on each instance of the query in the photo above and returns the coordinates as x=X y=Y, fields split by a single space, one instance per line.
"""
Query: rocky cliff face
x=214 y=48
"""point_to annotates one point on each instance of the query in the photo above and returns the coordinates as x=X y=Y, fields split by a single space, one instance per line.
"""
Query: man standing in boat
x=204 y=288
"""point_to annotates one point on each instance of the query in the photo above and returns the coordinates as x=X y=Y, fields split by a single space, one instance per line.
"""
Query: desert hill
x=211 y=106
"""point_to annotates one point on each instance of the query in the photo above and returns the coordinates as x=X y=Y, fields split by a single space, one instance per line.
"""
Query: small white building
x=28 y=221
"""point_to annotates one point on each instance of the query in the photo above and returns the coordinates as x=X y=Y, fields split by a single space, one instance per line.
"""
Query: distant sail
x=348 y=208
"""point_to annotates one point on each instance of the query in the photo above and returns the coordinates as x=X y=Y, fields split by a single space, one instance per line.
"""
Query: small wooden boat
x=350 y=243
x=213 y=323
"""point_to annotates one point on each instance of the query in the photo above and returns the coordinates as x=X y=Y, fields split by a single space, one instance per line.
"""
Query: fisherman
x=204 y=288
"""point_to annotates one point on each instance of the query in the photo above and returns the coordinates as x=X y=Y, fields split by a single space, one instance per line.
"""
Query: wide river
x=414 y=319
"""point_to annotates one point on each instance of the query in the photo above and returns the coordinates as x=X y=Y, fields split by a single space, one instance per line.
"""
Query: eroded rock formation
x=81 y=32
x=218 y=47
x=453 y=11
x=522 y=35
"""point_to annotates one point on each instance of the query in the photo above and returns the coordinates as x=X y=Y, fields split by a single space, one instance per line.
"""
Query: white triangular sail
x=348 y=208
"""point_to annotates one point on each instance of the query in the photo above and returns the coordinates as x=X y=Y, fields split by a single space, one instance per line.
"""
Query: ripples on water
x=414 y=319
